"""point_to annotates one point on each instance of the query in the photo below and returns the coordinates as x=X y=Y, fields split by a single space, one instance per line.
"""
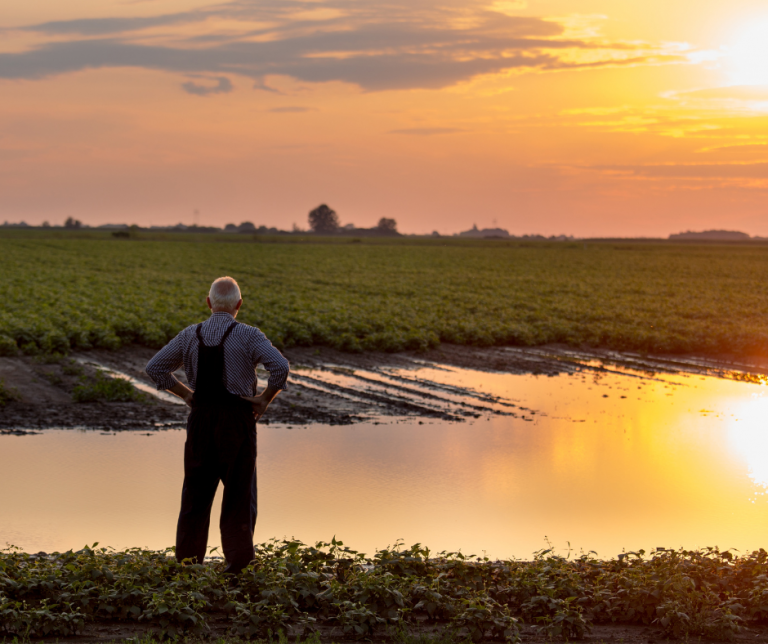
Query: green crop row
x=302 y=588
x=64 y=294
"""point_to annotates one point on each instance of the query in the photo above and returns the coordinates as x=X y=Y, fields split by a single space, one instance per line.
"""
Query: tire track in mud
x=389 y=402
x=385 y=384
x=457 y=391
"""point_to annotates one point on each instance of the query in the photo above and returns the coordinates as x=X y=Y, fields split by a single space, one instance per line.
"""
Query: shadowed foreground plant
x=294 y=588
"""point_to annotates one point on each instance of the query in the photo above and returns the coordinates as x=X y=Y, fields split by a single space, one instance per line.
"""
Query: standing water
x=604 y=462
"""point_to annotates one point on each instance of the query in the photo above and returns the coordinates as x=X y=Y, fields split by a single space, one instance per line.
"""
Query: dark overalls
x=221 y=446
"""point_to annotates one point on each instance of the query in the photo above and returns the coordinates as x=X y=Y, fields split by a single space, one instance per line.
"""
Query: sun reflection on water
x=748 y=437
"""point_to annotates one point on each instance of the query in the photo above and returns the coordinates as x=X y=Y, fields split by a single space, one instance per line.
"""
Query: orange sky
x=590 y=118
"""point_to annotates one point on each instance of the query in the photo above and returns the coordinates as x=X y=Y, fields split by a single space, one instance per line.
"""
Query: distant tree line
x=324 y=221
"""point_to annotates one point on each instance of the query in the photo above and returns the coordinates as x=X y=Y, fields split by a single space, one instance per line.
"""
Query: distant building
x=713 y=235
x=485 y=233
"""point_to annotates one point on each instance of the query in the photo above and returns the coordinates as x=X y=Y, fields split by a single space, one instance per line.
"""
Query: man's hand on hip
x=261 y=402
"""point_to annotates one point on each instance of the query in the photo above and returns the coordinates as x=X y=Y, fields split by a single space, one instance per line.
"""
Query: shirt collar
x=222 y=314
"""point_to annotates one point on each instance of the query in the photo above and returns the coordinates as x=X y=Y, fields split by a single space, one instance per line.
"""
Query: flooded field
x=604 y=457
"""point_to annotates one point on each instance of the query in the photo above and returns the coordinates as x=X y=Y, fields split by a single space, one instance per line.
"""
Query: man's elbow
x=151 y=372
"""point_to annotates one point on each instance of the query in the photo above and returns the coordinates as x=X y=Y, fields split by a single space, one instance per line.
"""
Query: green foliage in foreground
x=60 y=293
x=297 y=587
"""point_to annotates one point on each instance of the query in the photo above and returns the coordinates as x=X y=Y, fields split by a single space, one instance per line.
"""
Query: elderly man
x=219 y=358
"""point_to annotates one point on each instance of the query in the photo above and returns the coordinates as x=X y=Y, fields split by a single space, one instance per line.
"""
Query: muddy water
x=603 y=461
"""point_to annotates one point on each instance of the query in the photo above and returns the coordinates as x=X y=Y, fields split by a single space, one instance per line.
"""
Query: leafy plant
x=104 y=388
x=416 y=596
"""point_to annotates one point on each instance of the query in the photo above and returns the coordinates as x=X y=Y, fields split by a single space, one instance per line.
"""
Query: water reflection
x=748 y=436
x=604 y=462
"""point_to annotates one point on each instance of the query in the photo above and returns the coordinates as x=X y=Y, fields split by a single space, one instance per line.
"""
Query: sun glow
x=748 y=435
x=748 y=56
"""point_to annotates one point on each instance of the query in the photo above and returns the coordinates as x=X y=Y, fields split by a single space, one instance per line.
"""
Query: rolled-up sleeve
x=273 y=361
x=161 y=367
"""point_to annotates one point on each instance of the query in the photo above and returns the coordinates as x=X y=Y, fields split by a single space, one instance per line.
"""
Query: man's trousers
x=220 y=446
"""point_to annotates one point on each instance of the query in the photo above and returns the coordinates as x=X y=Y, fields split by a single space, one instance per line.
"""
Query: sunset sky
x=589 y=118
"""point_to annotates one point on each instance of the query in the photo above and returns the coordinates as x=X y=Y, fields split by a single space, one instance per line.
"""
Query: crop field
x=329 y=586
x=61 y=293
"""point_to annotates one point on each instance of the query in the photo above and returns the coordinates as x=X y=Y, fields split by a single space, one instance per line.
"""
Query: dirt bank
x=327 y=386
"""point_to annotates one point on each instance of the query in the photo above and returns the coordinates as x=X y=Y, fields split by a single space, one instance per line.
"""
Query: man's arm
x=161 y=367
x=263 y=352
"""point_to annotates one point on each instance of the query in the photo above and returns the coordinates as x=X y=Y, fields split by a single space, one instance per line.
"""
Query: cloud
x=223 y=86
x=733 y=92
x=753 y=147
x=751 y=98
x=692 y=171
x=397 y=46
x=104 y=26
x=426 y=131
x=291 y=109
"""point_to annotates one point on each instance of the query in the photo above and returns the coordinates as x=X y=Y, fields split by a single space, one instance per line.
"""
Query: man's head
x=224 y=296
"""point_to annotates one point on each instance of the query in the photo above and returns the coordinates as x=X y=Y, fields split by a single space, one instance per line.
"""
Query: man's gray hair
x=224 y=294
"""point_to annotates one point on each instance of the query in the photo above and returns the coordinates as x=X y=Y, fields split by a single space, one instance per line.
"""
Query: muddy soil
x=325 y=386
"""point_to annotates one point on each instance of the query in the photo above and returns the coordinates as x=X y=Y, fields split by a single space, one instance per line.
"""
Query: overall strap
x=227 y=332
x=224 y=337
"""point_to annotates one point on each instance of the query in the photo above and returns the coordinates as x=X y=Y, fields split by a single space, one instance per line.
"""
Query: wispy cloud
x=426 y=131
x=691 y=170
x=105 y=26
x=752 y=147
x=741 y=98
x=291 y=109
x=377 y=47
x=732 y=92
x=223 y=85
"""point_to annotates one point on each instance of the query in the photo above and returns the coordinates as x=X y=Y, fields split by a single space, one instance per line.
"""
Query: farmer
x=219 y=358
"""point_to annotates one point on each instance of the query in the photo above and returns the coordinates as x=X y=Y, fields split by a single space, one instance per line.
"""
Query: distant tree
x=247 y=227
x=230 y=228
x=46 y=224
x=72 y=223
x=323 y=220
x=387 y=226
